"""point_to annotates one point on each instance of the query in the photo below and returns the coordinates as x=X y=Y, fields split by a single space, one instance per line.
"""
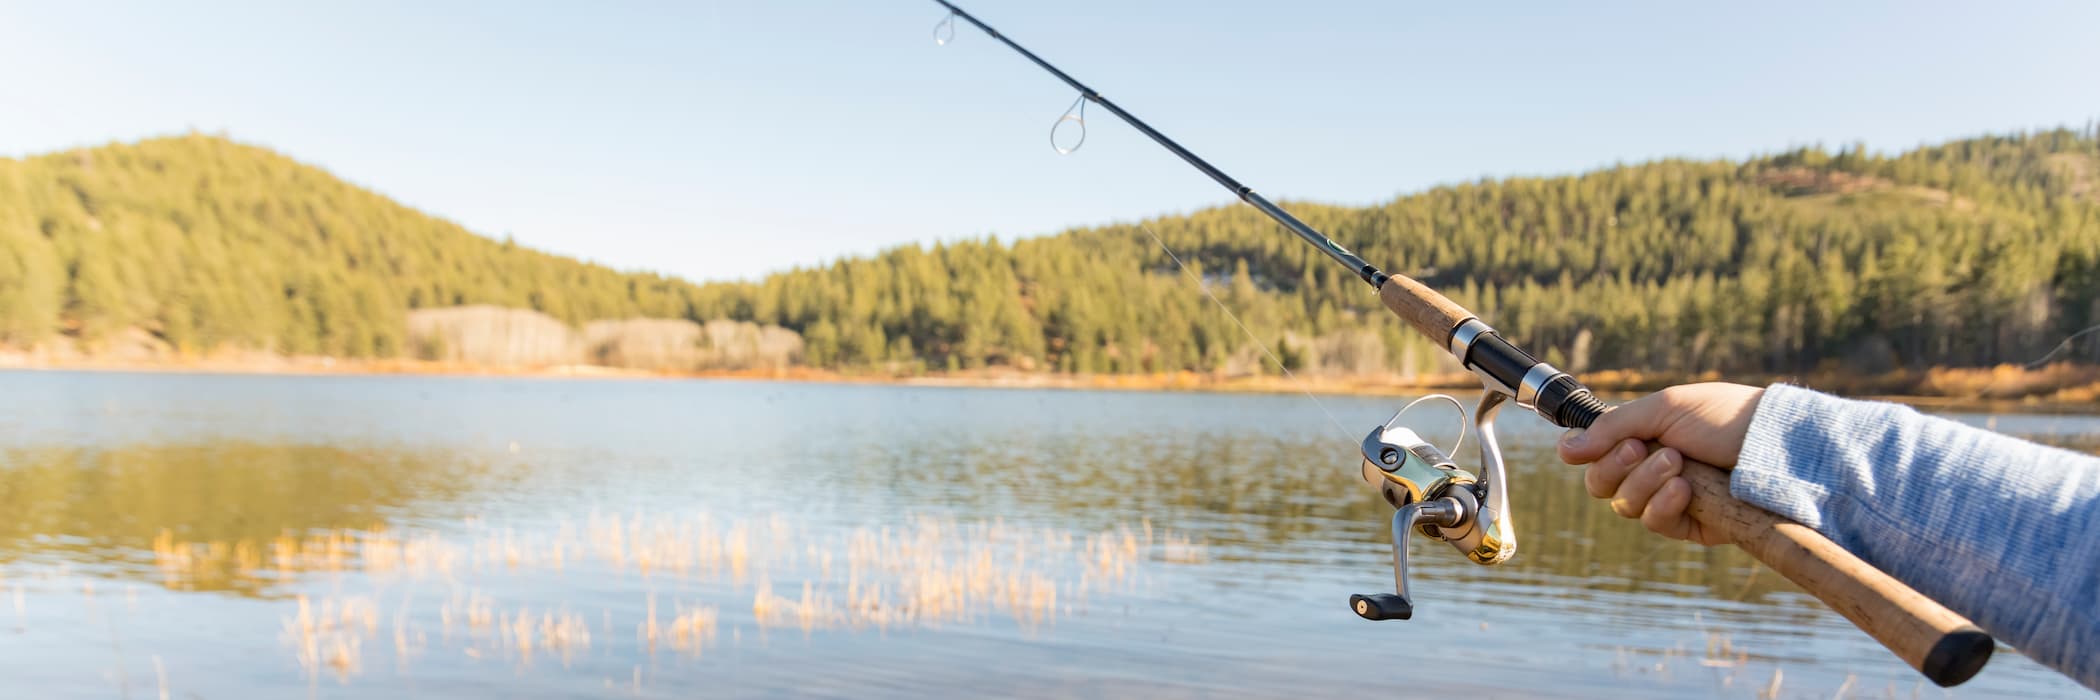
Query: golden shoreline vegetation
x=2059 y=387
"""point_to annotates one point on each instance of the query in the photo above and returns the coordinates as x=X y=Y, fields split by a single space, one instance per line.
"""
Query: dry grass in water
x=689 y=631
x=927 y=571
x=517 y=633
x=331 y=636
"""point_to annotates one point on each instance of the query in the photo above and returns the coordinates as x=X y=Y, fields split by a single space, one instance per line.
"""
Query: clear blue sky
x=722 y=140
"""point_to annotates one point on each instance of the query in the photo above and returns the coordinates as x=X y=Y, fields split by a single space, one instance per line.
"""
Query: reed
x=331 y=635
x=690 y=631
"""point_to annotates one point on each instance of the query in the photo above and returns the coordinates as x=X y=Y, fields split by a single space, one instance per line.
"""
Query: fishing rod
x=1434 y=498
x=1554 y=394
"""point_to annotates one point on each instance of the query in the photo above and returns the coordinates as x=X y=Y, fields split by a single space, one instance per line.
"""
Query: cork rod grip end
x=1431 y=313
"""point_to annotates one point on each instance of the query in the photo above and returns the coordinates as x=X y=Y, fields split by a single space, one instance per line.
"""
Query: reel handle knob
x=1381 y=606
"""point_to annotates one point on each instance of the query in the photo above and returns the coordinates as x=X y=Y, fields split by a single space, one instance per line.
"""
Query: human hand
x=1704 y=422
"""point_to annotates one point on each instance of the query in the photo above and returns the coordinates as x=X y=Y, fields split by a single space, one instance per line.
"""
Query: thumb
x=1641 y=419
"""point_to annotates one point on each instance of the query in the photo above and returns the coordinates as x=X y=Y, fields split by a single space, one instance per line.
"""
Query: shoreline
x=1617 y=384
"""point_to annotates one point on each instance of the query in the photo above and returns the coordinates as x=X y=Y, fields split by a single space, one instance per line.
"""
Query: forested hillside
x=1975 y=252
x=208 y=243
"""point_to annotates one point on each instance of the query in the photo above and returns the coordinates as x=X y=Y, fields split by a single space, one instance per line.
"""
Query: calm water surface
x=269 y=537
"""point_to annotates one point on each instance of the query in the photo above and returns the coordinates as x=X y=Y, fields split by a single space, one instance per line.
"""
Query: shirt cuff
x=1788 y=463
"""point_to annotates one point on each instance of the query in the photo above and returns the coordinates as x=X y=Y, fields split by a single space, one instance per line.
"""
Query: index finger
x=1641 y=419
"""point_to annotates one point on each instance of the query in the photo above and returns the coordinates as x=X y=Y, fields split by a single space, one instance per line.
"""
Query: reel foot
x=1381 y=606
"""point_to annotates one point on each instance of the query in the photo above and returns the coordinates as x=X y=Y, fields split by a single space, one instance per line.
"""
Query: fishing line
x=2065 y=344
x=2060 y=347
x=1295 y=382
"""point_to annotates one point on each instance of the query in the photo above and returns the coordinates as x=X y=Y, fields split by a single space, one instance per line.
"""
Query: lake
x=179 y=536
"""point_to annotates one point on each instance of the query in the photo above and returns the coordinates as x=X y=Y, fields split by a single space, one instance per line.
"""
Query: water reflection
x=113 y=507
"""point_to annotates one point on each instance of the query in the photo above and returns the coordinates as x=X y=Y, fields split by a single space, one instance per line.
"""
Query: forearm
x=1997 y=529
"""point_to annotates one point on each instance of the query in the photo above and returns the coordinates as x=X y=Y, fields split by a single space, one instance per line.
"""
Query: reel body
x=1432 y=497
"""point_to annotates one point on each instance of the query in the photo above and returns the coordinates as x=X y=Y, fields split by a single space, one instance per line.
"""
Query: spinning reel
x=1435 y=498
